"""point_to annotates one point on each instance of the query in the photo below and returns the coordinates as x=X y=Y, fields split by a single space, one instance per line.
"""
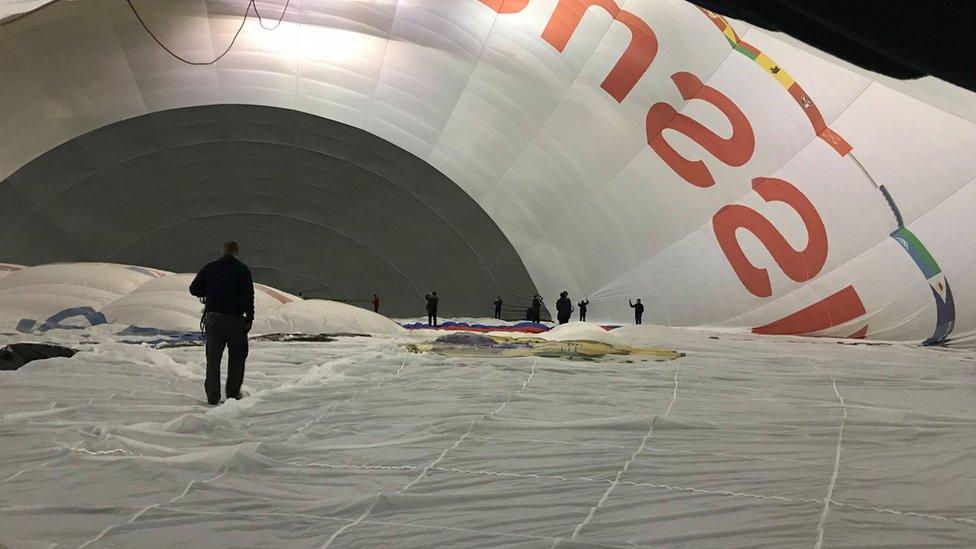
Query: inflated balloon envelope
x=479 y=345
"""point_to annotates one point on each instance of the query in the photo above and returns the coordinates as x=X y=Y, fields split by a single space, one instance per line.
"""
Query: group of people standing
x=564 y=308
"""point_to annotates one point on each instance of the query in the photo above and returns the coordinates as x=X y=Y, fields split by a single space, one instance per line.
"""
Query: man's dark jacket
x=564 y=307
x=226 y=287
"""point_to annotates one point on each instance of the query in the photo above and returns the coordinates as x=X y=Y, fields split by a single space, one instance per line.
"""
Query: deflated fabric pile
x=746 y=441
x=466 y=344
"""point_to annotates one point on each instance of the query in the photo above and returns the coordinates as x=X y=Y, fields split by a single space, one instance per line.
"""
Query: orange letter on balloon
x=506 y=6
x=734 y=151
x=830 y=311
x=635 y=60
x=799 y=265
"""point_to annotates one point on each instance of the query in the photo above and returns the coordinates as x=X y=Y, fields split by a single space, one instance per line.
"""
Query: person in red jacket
x=376 y=303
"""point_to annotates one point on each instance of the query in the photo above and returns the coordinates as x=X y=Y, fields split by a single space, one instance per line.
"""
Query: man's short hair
x=230 y=248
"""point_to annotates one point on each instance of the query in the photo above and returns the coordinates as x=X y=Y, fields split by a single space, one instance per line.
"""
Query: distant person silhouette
x=564 y=308
x=227 y=291
x=638 y=310
x=536 y=308
x=376 y=303
x=431 y=308
x=582 y=309
x=498 y=307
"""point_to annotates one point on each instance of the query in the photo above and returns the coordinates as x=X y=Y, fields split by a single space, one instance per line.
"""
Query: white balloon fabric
x=7 y=268
x=723 y=174
x=147 y=301
x=166 y=304
x=66 y=294
x=319 y=316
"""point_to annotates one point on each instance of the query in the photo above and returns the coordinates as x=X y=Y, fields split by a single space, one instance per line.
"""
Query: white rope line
x=29 y=469
x=438 y=460
x=537 y=476
x=337 y=405
x=674 y=395
x=325 y=414
x=616 y=480
x=362 y=467
x=560 y=478
x=468 y=432
x=516 y=393
x=625 y=468
x=784 y=499
x=443 y=454
x=102 y=452
x=961 y=520
x=418 y=526
x=833 y=476
x=358 y=520
x=646 y=449
x=706 y=491
x=145 y=509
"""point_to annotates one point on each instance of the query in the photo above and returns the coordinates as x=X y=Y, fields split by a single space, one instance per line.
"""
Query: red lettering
x=831 y=311
x=506 y=6
x=799 y=265
x=734 y=151
x=636 y=58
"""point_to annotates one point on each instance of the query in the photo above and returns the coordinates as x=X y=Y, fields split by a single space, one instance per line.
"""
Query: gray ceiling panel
x=319 y=207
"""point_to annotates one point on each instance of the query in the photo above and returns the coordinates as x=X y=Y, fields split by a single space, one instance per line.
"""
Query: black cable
x=277 y=23
x=247 y=12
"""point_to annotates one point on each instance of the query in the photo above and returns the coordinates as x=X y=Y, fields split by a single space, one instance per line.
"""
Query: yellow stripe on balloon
x=773 y=68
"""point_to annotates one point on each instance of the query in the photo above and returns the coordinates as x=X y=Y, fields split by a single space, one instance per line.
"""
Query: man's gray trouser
x=225 y=330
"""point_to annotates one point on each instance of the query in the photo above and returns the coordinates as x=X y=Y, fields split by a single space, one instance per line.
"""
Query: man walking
x=431 y=309
x=227 y=291
x=498 y=307
x=638 y=310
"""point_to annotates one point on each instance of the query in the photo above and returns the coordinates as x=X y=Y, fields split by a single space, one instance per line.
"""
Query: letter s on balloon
x=733 y=151
x=799 y=265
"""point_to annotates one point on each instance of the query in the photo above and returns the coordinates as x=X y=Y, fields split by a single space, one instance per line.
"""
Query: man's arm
x=247 y=295
x=198 y=287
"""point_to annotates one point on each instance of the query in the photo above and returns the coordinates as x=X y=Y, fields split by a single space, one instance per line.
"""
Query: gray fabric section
x=319 y=207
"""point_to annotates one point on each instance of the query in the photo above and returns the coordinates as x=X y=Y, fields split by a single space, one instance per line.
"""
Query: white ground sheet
x=746 y=442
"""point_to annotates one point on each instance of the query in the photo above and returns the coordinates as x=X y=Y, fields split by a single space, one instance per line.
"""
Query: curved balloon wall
x=626 y=148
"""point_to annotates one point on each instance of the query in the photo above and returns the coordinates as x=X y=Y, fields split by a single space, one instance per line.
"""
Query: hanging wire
x=280 y=17
x=247 y=11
